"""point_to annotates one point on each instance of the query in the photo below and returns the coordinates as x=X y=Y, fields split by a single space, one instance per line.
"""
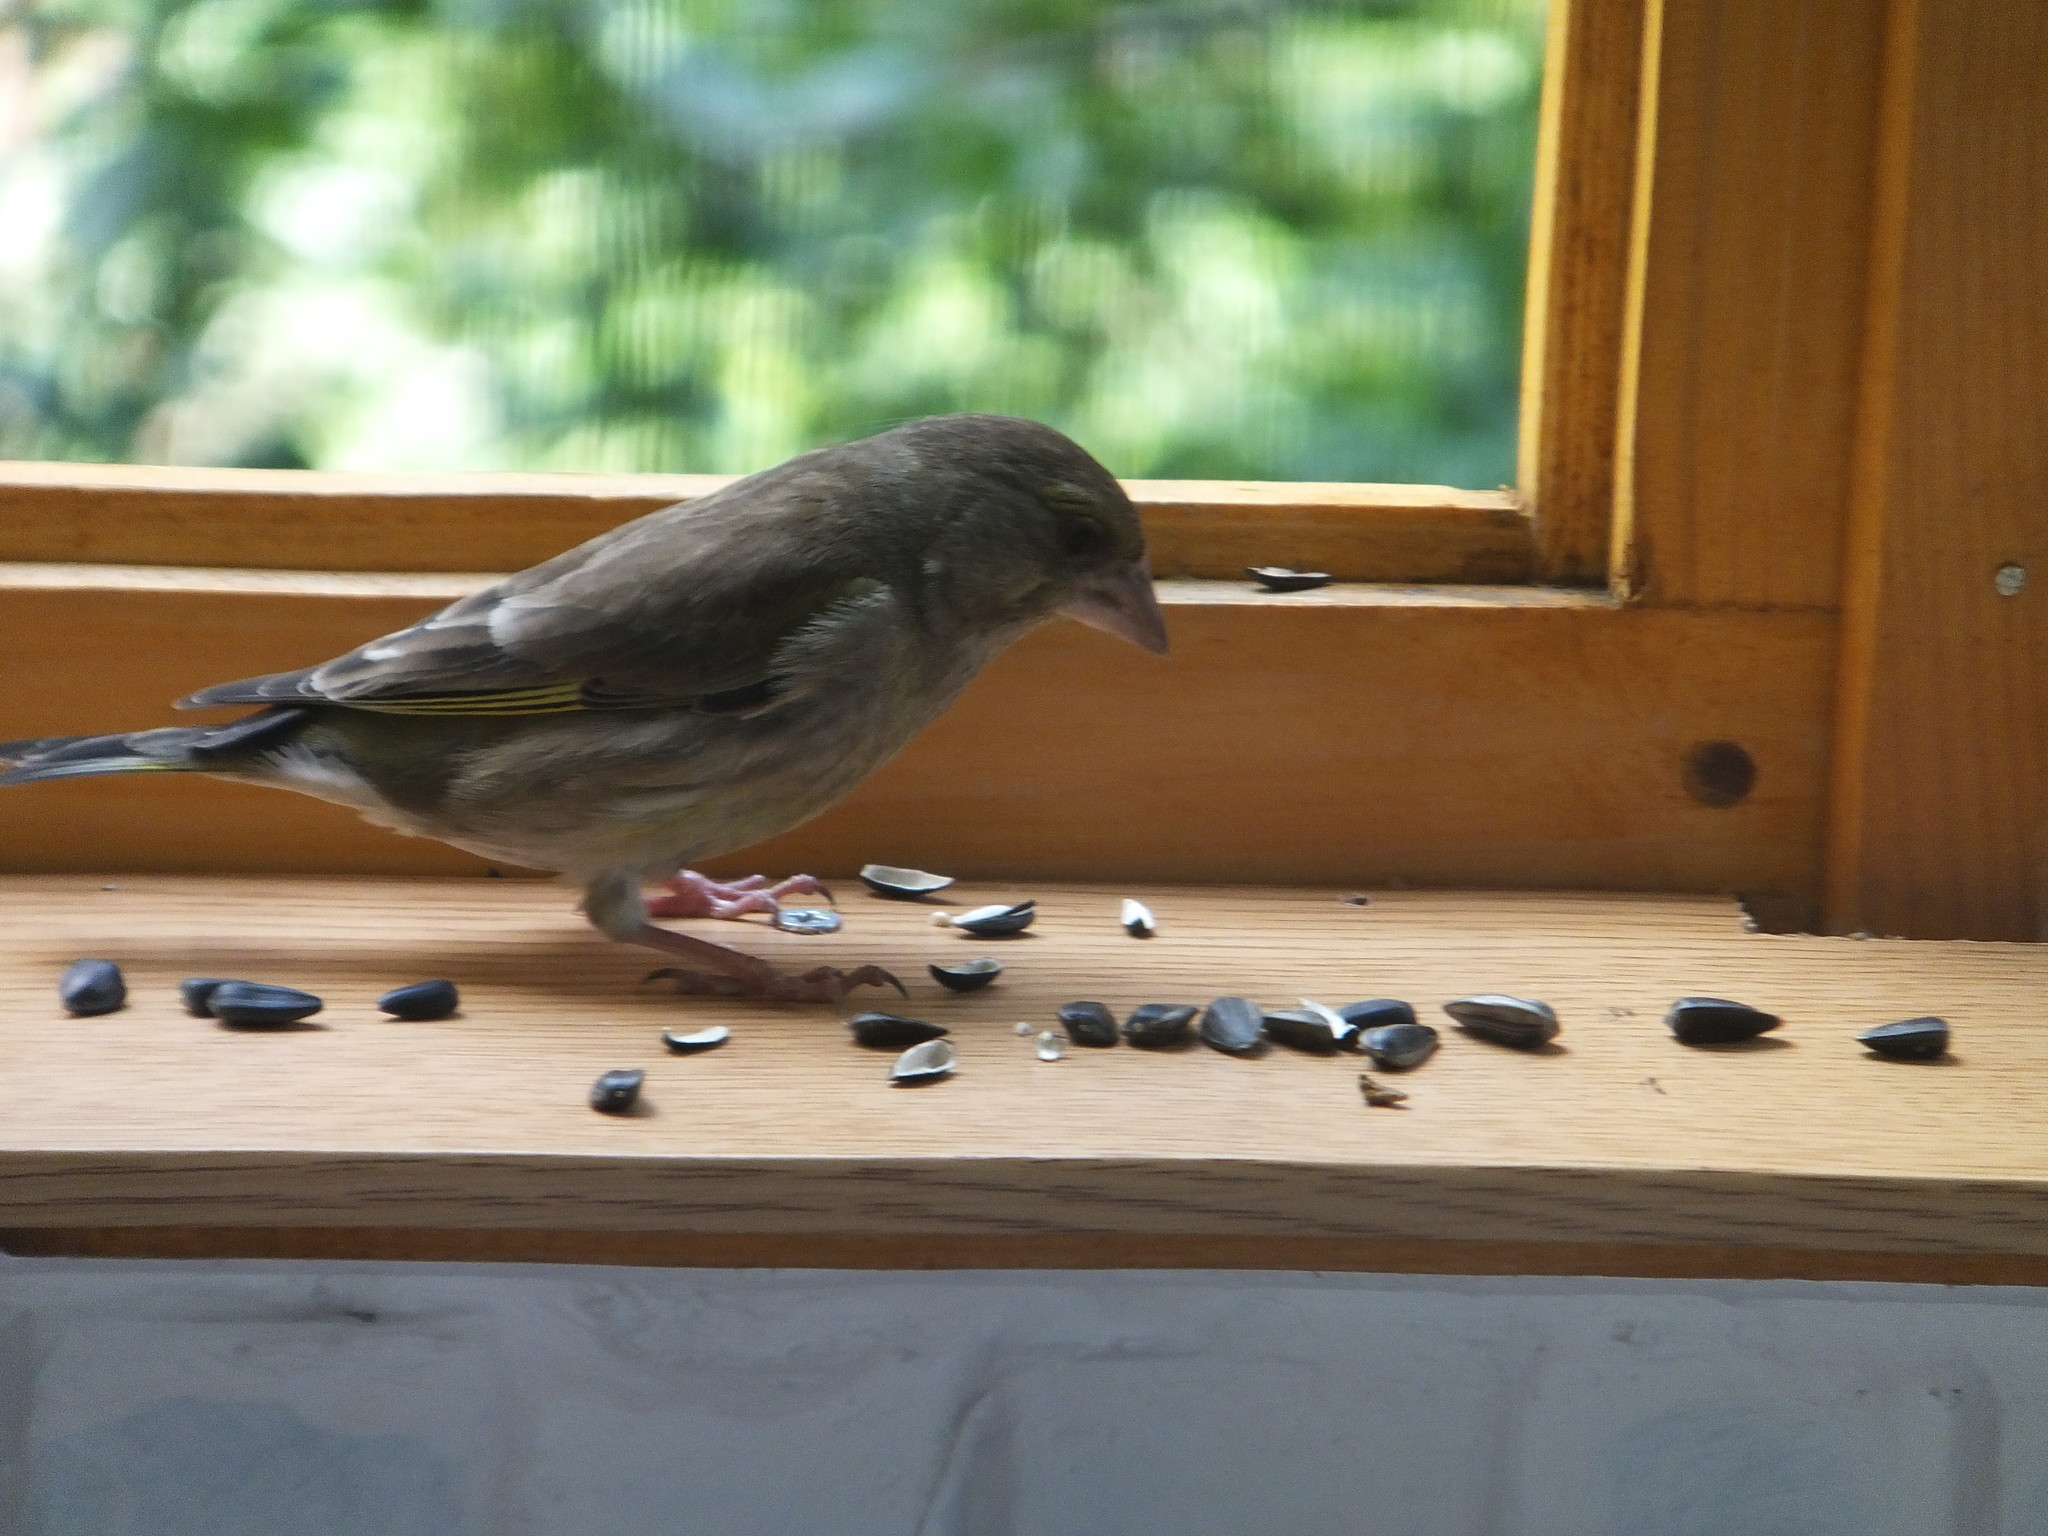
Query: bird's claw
x=693 y=895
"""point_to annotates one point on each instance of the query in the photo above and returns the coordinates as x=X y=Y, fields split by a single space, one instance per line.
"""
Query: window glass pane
x=1278 y=241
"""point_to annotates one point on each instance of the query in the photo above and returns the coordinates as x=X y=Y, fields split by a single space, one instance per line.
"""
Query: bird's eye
x=1082 y=537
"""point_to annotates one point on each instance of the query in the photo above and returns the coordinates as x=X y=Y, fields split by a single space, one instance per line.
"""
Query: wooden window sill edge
x=1617 y=1151
x=303 y=519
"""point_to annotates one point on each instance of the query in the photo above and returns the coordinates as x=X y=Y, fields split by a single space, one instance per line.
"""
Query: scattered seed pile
x=1383 y=1030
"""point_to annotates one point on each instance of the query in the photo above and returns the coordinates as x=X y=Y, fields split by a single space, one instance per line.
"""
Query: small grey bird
x=692 y=682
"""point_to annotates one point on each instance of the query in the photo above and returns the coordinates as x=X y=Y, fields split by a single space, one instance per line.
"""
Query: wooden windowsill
x=147 y=1132
x=281 y=519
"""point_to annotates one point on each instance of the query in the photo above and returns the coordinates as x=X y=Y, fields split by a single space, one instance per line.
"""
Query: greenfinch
x=693 y=681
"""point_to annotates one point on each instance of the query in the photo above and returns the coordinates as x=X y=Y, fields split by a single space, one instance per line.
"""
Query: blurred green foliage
x=1276 y=241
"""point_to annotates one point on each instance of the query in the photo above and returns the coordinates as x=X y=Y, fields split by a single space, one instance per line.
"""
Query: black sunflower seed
x=1153 y=1025
x=1232 y=1024
x=1088 y=1023
x=968 y=975
x=890 y=1032
x=1398 y=1047
x=1922 y=1039
x=421 y=1001
x=194 y=992
x=90 y=987
x=257 y=1005
x=1716 y=1021
x=1303 y=1029
x=1376 y=1011
x=1521 y=1022
x=617 y=1091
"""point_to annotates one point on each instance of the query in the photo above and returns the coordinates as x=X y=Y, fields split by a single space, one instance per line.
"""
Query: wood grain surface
x=1578 y=282
x=1447 y=736
x=1616 y=1142
x=1939 y=814
x=1747 y=306
x=287 y=519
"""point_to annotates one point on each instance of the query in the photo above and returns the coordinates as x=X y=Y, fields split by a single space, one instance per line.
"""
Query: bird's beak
x=1119 y=602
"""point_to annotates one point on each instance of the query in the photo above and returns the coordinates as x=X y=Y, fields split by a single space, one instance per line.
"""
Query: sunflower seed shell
x=1137 y=919
x=1278 y=578
x=258 y=1005
x=1922 y=1039
x=1520 y=1022
x=1398 y=1047
x=91 y=987
x=807 y=920
x=420 y=1002
x=924 y=1063
x=890 y=1032
x=685 y=1043
x=901 y=884
x=1088 y=1023
x=1152 y=1026
x=999 y=920
x=1302 y=1029
x=968 y=975
x=1716 y=1021
x=1233 y=1025
x=616 y=1092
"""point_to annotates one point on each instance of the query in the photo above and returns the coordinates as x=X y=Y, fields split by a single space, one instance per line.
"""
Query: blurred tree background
x=1277 y=240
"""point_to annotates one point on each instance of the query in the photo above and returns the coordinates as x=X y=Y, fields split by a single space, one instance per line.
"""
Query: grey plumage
x=696 y=680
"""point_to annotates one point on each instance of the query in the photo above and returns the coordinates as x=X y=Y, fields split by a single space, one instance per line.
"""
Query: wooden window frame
x=1782 y=420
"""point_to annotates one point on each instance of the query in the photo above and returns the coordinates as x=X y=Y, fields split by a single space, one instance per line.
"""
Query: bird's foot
x=723 y=972
x=693 y=895
x=826 y=984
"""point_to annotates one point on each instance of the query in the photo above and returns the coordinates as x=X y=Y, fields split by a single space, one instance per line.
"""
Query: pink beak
x=1120 y=602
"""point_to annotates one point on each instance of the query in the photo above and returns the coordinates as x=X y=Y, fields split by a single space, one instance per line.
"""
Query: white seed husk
x=1049 y=1047
x=1137 y=919
x=934 y=1058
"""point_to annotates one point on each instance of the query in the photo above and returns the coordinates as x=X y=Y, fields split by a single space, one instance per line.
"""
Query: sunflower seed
x=1923 y=1039
x=257 y=1005
x=1155 y=1025
x=1049 y=1047
x=1137 y=919
x=683 y=1044
x=1303 y=1029
x=1278 y=578
x=999 y=920
x=616 y=1092
x=1340 y=1027
x=889 y=1032
x=968 y=975
x=1716 y=1021
x=421 y=1001
x=1233 y=1025
x=91 y=987
x=194 y=991
x=901 y=884
x=807 y=920
x=1377 y=1011
x=924 y=1063
x=1377 y=1094
x=1521 y=1022
x=1088 y=1023
x=1398 y=1047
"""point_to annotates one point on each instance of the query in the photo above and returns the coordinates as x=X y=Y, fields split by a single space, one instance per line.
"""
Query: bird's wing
x=693 y=606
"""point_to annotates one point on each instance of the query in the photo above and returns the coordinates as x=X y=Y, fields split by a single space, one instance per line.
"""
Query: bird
x=691 y=682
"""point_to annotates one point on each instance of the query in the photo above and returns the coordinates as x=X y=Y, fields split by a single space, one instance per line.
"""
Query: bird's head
x=1032 y=527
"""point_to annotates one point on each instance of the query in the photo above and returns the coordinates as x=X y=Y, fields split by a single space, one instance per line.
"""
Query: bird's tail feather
x=174 y=749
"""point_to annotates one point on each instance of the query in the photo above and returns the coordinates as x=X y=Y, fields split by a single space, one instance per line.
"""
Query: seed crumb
x=1378 y=1094
x=1049 y=1047
x=1023 y=1028
x=1653 y=1084
x=942 y=919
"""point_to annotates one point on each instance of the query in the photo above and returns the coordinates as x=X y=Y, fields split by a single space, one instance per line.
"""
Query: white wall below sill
x=329 y=1399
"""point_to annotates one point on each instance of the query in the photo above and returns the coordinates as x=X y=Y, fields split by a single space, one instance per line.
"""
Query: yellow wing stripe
x=554 y=699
